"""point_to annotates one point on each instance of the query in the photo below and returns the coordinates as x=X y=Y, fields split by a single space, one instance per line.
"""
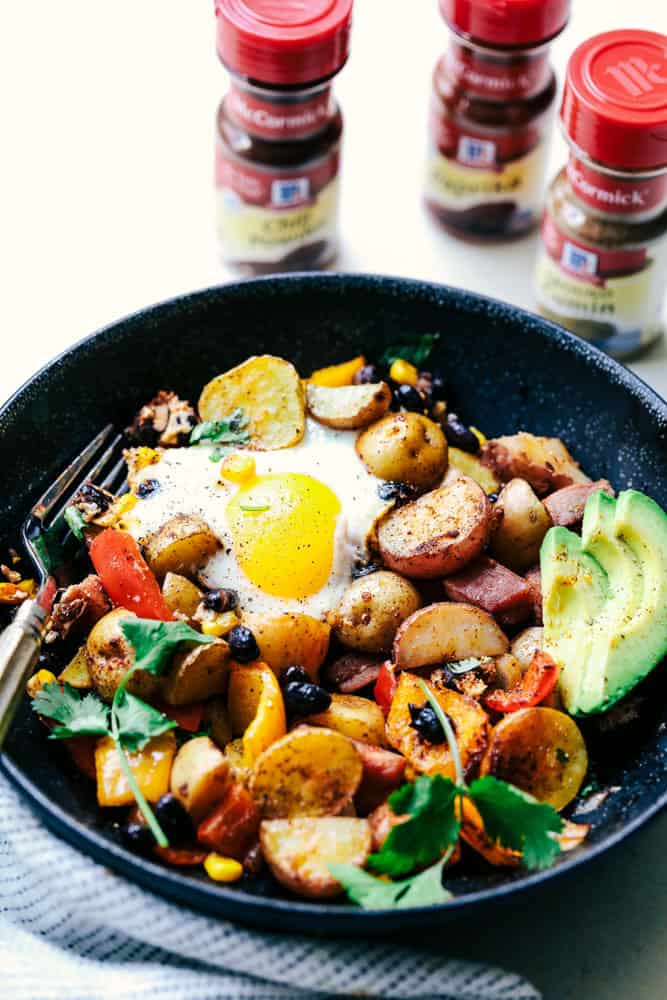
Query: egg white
x=191 y=484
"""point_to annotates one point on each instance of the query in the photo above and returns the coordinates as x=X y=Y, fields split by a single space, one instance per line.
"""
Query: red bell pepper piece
x=385 y=686
x=125 y=575
x=188 y=717
x=536 y=684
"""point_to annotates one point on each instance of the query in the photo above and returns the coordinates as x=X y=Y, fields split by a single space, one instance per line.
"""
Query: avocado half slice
x=605 y=599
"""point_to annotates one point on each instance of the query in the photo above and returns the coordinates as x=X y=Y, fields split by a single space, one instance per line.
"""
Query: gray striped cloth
x=72 y=930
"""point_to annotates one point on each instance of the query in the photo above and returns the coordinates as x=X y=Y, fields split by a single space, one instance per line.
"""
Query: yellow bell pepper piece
x=219 y=624
x=151 y=768
x=403 y=372
x=39 y=681
x=256 y=707
x=337 y=375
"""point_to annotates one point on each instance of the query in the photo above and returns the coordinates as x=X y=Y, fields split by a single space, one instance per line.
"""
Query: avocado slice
x=613 y=630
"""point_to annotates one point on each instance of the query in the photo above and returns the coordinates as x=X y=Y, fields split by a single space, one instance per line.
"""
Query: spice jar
x=279 y=132
x=491 y=114
x=602 y=269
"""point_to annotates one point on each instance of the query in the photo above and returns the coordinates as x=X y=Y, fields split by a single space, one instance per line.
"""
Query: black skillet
x=507 y=370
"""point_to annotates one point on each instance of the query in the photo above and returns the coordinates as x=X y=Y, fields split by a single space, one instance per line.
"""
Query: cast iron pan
x=507 y=369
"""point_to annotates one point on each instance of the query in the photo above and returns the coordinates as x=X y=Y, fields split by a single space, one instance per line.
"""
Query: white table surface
x=106 y=205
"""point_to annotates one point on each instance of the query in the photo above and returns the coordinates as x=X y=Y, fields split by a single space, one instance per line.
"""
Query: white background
x=106 y=205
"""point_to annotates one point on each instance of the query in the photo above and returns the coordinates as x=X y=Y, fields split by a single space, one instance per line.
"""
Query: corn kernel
x=482 y=438
x=222 y=869
x=219 y=625
x=39 y=681
x=337 y=375
x=238 y=467
x=403 y=372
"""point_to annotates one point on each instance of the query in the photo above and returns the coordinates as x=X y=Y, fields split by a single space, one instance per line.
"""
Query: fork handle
x=19 y=648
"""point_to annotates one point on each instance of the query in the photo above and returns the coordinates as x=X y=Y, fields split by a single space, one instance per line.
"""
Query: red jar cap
x=615 y=100
x=284 y=41
x=507 y=22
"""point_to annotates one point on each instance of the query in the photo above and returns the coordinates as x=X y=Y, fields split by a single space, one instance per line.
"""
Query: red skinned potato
x=520 y=523
x=566 y=507
x=542 y=461
x=494 y=588
x=437 y=534
x=383 y=772
x=447 y=632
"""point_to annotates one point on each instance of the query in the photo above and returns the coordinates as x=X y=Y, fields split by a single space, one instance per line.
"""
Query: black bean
x=369 y=373
x=426 y=722
x=137 y=837
x=295 y=673
x=406 y=397
x=92 y=494
x=460 y=436
x=174 y=819
x=147 y=488
x=305 y=698
x=492 y=497
x=243 y=644
x=393 y=490
x=221 y=600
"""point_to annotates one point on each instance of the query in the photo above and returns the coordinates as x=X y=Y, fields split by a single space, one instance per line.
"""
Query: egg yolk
x=283 y=529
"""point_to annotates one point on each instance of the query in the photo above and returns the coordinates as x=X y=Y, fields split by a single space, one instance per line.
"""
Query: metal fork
x=44 y=532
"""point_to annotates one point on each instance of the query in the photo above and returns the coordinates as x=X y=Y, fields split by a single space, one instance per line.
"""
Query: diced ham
x=231 y=829
x=353 y=672
x=534 y=580
x=383 y=772
x=494 y=588
x=566 y=507
x=79 y=607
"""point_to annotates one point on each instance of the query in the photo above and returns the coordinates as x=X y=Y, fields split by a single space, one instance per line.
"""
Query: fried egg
x=289 y=535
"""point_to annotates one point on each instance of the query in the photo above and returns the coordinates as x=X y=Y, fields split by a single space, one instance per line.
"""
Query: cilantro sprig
x=417 y=351
x=230 y=432
x=130 y=722
x=428 y=836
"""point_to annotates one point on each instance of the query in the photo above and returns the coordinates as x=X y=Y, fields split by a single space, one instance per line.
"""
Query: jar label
x=610 y=297
x=499 y=79
x=616 y=195
x=279 y=120
x=267 y=213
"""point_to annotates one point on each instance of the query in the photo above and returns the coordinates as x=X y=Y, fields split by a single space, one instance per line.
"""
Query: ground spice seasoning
x=279 y=132
x=491 y=115
x=602 y=270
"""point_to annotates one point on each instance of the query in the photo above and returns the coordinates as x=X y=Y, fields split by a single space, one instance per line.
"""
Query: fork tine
x=70 y=475
x=114 y=482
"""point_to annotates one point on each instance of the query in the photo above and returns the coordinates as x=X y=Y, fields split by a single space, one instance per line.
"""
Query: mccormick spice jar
x=602 y=269
x=491 y=113
x=279 y=131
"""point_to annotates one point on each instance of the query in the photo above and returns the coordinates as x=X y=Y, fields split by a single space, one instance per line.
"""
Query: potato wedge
x=180 y=594
x=239 y=767
x=199 y=776
x=358 y=718
x=289 y=639
x=216 y=717
x=300 y=851
x=77 y=671
x=469 y=719
x=405 y=447
x=196 y=673
x=371 y=610
x=447 y=632
x=462 y=463
x=437 y=534
x=151 y=768
x=110 y=656
x=508 y=671
x=256 y=707
x=520 y=523
x=543 y=461
x=309 y=772
x=348 y=407
x=541 y=751
x=271 y=394
x=526 y=644
x=182 y=546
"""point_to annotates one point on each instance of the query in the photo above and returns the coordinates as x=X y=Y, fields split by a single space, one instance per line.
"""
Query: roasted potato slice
x=271 y=395
x=371 y=610
x=437 y=534
x=348 y=407
x=358 y=718
x=469 y=719
x=199 y=776
x=520 y=523
x=110 y=656
x=447 y=632
x=256 y=707
x=508 y=671
x=526 y=644
x=180 y=546
x=289 y=639
x=543 y=461
x=309 y=772
x=300 y=851
x=405 y=447
x=77 y=671
x=196 y=673
x=151 y=768
x=180 y=594
x=541 y=751
x=462 y=463
x=216 y=717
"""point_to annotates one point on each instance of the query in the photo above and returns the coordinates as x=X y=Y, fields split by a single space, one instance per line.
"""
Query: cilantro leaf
x=416 y=352
x=138 y=722
x=425 y=889
x=433 y=826
x=464 y=666
x=154 y=641
x=231 y=430
x=517 y=820
x=77 y=715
